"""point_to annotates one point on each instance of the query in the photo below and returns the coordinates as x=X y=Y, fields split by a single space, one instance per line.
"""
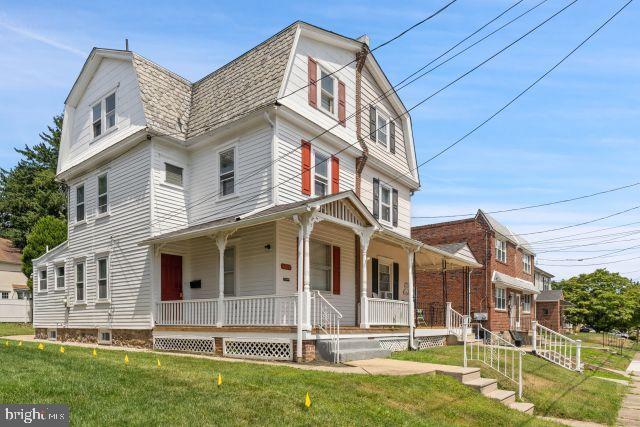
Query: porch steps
x=351 y=349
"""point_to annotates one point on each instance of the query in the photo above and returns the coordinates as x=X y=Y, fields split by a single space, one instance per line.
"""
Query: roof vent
x=126 y=45
x=364 y=39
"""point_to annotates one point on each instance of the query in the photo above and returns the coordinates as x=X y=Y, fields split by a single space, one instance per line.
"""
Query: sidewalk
x=629 y=414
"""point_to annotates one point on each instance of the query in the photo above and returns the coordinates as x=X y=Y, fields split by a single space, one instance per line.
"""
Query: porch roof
x=513 y=282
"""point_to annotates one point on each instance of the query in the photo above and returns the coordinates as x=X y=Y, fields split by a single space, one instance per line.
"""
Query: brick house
x=500 y=294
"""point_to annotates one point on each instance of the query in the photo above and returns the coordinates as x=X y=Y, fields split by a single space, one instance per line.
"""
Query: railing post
x=447 y=317
x=519 y=375
x=464 y=339
x=578 y=345
x=534 y=336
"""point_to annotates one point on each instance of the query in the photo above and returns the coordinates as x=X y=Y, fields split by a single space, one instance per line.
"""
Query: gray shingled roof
x=452 y=248
x=550 y=296
x=249 y=81
x=506 y=232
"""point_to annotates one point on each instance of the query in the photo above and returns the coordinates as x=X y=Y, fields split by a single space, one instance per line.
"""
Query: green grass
x=7 y=329
x=105 y=391
x=612 y=359
x=556 y=392
x=594 y=338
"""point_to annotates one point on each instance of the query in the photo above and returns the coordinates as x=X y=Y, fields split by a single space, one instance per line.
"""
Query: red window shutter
x=342 y=106
x=336 y=270
x=312 y=68
x=306 y=168
x=335 y=175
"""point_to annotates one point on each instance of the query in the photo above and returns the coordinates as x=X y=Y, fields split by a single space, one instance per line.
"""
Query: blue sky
x=576 y=133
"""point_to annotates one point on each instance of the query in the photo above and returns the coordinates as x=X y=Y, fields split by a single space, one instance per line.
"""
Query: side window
x=227 y=160
x=321 y=174
x=172 y=174
x=382 y=129
x=327 y=92
x=500 y=299
x=42 y=279
x=103 y=278
x=103 y=194
x=230 y=271
x=59 y=276
x=80 y=282
x=80 y=203
x=97 y=119
x=103 y=115
x=501 y=250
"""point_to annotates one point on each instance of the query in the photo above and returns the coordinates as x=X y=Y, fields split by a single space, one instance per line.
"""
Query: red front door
x=171 y=280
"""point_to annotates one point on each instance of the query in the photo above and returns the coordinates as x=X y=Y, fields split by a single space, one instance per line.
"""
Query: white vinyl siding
x=500 y=298
x=501 y=250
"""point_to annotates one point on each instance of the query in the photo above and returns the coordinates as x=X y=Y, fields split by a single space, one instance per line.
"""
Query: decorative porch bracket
x=365 y=235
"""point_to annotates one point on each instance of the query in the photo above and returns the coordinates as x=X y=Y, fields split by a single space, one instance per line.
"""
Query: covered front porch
x=317 y=269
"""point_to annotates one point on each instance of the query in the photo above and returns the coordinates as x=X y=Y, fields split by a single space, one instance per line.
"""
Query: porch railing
x=523 y=324
x=494 y=352
x=431 y=314
x=556 y=348
x=199 y=312
x=388 y=312
x=327 y=318
x=455 y=322
x=268 y=310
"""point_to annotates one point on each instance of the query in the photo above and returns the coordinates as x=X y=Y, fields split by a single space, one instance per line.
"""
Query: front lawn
x=103 y=390
x=605 y=358
x=556 y=392
x=8 y=329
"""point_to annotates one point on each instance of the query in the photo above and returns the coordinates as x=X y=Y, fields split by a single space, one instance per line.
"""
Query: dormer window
x=327 y=92
x=104 y=112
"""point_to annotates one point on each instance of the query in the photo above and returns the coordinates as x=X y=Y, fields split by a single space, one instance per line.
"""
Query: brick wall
x=548 y=314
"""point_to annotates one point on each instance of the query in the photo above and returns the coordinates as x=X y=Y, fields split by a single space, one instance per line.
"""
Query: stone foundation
x=120 y=337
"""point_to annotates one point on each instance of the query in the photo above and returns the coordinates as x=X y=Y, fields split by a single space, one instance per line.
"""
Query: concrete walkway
x=629 y=414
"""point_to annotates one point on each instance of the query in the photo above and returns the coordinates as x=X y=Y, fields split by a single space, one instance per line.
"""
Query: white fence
x=15 y=310
x=454 y=322
x=494 y=352
x=268 y=310
x=556 y=348
x=388 y=312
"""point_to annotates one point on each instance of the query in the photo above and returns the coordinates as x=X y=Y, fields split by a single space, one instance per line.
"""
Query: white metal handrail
x=327 y=318
x=199 y=312
x=555 y=347
x=493 y=351
x=388 y=312
x=263 y=310
x=454 y=321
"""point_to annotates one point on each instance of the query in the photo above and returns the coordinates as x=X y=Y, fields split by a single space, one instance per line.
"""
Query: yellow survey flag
x=219 y=378
x=6 y=343
x=40 y=346
x=20 y=344
x=61 y=349
x=307 y=401
x=159 y=365
x=126 y=359
x=94 y=353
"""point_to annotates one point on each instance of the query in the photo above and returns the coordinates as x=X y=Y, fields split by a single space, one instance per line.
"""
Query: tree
x=48 y=232
x=601 y=299
x=29 y=191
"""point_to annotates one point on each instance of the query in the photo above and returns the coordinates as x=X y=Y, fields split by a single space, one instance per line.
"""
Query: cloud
x=41 y=38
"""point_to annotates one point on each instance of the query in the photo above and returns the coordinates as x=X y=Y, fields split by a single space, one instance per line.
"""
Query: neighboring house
x=14 y=292
x=501 y=292
x=246 y=212
x=542 y=280
x=550 y=303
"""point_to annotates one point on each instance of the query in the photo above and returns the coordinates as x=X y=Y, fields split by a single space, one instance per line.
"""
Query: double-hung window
x=501 y=250
x=80 y=281
x=103 y=194
x=320 y=262
x=526 y=263
x=384 y=280
x=382 y=127
x=103 y=115
x=321 y=174
x=546 y=283
x=42 y=279
x=385 y=203
x=327 y=92
x=526 y=303
x=103 y=278
x=227 y=171
x=80 y=203
x=500 y=299
x=230 y=271
x=59 y=276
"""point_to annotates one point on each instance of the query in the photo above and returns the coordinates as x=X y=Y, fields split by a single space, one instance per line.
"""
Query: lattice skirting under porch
x=430 y=342
x=258 y=348
x=192 y=345
x=394 y=344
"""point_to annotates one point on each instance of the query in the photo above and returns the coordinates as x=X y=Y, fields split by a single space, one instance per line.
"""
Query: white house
x=249 y=213
x=14 y=292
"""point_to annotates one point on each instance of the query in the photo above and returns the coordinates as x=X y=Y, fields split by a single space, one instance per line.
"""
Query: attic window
x=104 y=111
x=327 y=97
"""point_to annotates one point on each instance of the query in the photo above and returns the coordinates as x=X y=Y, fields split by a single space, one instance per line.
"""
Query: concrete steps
x=351 y=349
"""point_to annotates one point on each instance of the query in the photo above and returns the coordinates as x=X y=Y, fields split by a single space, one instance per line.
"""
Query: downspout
x=361 y=161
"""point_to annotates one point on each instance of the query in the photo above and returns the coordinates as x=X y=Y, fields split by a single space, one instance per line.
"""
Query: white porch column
x=308 y=228
x=412 y=316
x=299 y=287
x=365 y=237
x=221 y=242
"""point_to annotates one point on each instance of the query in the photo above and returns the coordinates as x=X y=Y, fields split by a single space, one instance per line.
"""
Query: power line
x=592 y=257
x=591 y=265
x=562 y=238
x=394 y=88
x=611 y=190
x=434 y=94
x=571 y=248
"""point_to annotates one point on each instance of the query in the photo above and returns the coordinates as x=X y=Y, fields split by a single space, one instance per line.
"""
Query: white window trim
x=313 y=167
x=84 y=281
x=55 y=275
x=164 y=182
x=235 y=269
x=389 y=263
x=390 y=188
x=503 y=242
x=52 y=332
x=504 y=298
x=227 y=147
x=524 y=296
x=103 y=114
x=330 y=290
x=526 y=263
x=386 y=117
x=105 y=342
x=100 y=257
x=334 y=78
x=108 y=211
x=84 y=203
x=41 y=269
